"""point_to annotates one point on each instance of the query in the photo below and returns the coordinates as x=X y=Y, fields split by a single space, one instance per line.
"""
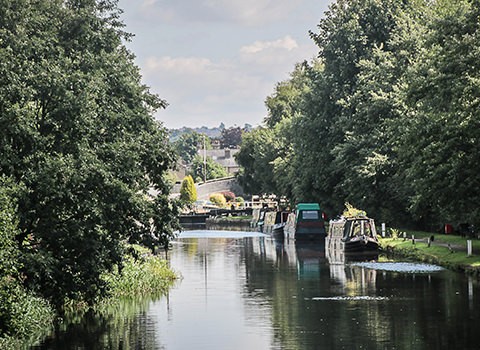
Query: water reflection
x=125 y=325
x=242 y=291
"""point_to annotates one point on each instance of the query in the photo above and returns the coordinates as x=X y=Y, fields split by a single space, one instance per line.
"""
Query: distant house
x=224 y=157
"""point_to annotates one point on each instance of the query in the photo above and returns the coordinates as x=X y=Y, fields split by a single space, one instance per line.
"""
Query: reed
x=142 y=274
x=29 y=318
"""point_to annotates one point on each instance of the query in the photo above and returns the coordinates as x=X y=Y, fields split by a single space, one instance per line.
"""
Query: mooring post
x=469 y=247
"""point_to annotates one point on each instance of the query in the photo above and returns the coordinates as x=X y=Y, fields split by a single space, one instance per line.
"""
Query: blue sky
x=217 y=60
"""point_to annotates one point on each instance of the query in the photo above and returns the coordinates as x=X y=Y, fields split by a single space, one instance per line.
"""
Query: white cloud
x=274 y=60
x=217 y=60
x=286 y=43
x=198 y=89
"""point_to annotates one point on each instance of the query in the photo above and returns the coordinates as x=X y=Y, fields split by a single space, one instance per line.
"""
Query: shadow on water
x=123 y=325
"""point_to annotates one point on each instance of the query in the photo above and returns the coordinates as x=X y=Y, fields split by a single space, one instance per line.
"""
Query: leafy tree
x=440 y=155
x=188 y=144
x=231 y=137
x=9 y=257
x=255 y=157
x=213 y=169
x=288 y=96
x=188 y=192
x=22 y=314
x=77 y=132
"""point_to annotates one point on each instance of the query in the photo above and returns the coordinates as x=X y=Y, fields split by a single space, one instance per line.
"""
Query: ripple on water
x=404 y=267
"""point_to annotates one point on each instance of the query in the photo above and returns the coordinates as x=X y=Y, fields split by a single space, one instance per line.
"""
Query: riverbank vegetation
x=449 y=251
x=386 y=118
x=140 y=274
x=81 y=154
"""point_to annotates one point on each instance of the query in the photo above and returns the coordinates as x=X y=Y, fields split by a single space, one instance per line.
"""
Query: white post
x=469 y=247
x=204 y=159
x=383 y=229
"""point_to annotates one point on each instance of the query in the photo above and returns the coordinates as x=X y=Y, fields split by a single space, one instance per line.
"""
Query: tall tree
x=440 y=152
x=77 y=131
x=188 y=144
x=231 y=137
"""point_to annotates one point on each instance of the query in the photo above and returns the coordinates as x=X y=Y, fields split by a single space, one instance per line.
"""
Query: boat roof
x=308 y=206
x=350 y=218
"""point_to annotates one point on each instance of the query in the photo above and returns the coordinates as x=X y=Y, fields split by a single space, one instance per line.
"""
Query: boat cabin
x=306 y=223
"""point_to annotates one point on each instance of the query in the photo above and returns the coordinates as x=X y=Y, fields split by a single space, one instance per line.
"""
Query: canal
x=243 y=290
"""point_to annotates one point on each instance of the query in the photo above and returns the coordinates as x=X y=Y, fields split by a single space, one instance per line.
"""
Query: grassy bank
x=449 y=251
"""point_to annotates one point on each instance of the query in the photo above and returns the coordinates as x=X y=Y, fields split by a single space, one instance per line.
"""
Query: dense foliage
x=386 y=118
x=206 y=169
x=218 y=199
x=231 y=137
x=188 y=144
x=78 y=137
x=188 y=191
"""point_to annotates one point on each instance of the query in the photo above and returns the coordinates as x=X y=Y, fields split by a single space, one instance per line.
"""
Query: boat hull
x=360 y=246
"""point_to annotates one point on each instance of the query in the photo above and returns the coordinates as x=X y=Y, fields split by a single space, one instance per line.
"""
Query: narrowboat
x=274 y=222
x=306 y=222
x=352 y=235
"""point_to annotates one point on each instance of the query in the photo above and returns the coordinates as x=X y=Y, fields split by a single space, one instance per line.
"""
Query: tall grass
x=29 y=319
x=142 y=274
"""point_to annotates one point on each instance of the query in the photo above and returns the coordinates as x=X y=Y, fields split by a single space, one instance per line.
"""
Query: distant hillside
x=210 y=132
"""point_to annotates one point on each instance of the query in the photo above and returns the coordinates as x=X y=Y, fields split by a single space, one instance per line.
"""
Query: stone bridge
x=205 y=189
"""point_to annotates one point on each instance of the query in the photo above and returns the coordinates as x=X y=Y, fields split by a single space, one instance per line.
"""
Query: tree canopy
x=77 y=134
x=386 y=117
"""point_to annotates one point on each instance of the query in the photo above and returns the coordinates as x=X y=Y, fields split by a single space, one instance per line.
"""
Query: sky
x=216 y=61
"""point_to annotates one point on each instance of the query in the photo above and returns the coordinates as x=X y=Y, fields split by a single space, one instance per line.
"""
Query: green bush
x=188 y=192
x=218 y=199
x=239 y=200
x=24 y=317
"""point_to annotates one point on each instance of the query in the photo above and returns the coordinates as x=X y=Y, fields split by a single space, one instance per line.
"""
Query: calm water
x=245 y=291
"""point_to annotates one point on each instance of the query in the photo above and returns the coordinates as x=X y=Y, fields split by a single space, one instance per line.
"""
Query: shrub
x=188 y=192
x=218 y=199
x=229 y=195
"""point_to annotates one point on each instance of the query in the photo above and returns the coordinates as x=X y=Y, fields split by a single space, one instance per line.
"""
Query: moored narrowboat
x=275 y=222
x=352 y=235
x=306 y=222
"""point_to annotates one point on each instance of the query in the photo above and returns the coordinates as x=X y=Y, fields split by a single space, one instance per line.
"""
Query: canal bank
x=143 y=277
x=449 y=251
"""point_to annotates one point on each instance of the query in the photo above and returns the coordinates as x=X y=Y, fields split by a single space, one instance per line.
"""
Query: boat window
x=310 y=215
x=361 y=228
